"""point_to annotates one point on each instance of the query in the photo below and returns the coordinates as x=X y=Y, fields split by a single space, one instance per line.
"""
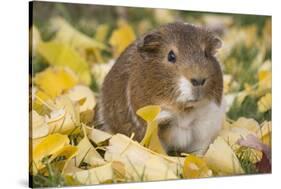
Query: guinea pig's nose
x=198 y=82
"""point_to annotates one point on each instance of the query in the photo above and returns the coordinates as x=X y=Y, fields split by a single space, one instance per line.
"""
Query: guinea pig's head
x=179 y=62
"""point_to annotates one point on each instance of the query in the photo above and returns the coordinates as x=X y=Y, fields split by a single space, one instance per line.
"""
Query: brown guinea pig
x=173 y=66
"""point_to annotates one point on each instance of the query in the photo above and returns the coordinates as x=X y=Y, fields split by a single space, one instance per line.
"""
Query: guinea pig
x=173 y=66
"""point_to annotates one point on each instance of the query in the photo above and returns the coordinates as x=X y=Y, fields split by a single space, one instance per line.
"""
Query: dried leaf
x=59 y=54
x=98 y=136
x=247 y=123
x=140 y=162
x=67 y=153
x=265 y=77
x=65 y=118
x=82 y=92
x=39 y=126
x=149 y=113
x=88 y=154
x=221 y=158
x=36 y=38
x=47 y=147
x=101 y=32
x=251 y=141
x=151 y=139
x=99 y=71
x=69 y=35
x=98 y=175
x=233 y=134
x=54 y=81
x=195 y=167
x=121 y=38
x=265 y=103
x=264 y=133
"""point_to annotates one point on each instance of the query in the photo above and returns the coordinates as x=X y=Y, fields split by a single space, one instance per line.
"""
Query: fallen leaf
x=121 y=38
x=98 y=175
x=98 y=136
x=47 y=147
x=82 y=92
x=265 y=77
x=99 y=71
x=101 y=32
x=233 y=134
x=141 y=162
x=54 y=81
x=39 y=125
x=247 y=123
x=221 y=158
x=88 y=154
x=151 y=138
x=265 y=132
x=265 y=103
x=59 y=54
x=36 y=38
x=195 y=167
x=65 y=118
x=251 y=141
x=67 y=153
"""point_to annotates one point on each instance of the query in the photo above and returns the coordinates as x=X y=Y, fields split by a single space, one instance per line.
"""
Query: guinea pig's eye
x=172 y=57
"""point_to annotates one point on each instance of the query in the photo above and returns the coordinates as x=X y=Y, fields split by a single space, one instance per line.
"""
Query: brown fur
x=144 y=71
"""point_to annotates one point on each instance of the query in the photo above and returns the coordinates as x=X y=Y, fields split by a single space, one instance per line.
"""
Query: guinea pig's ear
x=212 y=46
x=150 y=43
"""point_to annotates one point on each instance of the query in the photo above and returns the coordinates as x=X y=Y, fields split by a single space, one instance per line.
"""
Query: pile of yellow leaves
x=64 y=140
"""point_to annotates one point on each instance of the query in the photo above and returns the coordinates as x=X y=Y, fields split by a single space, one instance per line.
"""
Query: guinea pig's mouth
x=191 y=104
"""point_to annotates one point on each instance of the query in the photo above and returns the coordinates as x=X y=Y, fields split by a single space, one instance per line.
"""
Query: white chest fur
x=194 y=131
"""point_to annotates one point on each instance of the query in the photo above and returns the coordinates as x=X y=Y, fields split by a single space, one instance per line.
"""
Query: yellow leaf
x=233 y=134
x=65 y=118
x=97 y=136
x=42 y=96
x=136 y=158
x=265 y=103
x=221 y=158
x=241 y=97
x=151 y=139
x=87 y=47
x=51 y=144
x=98 y=175
x=67 y=152
x=149 y=113
x=195 y=167
x=264 y=133
x=119 y=170
x=240 y=130
x=247 y=123
x=101 y=32
x=265 y=77
x=99 y=71
x=39 y=126
x=154 y=143
x=82 y=92
x=46 y=147
x=36 y=38
x=227 y=79
x=69 y=35
x=88 y=154
x=121 y=38
x=54 y=81
x=59 y=54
